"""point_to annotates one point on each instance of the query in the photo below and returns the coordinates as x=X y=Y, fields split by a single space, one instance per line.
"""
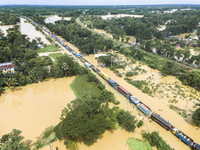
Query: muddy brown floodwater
x=34 y=107
x=155 y=104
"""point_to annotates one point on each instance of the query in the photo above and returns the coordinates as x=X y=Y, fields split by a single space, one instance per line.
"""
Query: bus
x=123 y=91
x=165 y=124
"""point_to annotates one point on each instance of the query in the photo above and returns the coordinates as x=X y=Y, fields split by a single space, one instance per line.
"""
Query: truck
x=196 y=146
x=162 y=122
x=78 y=55
x=87 y=64
x=183 y=137
x=111 y=82
x=133 y=99
x=103 y=75
x=82 y=59
x=94 y=68
x=143 y=108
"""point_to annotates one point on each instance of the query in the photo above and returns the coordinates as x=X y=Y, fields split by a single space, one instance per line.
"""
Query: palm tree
x=11 y=82
x=65 y=67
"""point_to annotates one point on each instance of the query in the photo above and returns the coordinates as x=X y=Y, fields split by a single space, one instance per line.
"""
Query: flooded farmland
x=34 y=107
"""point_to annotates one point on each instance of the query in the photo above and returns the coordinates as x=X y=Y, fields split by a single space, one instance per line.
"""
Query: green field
x=135 y=144
x=48 y=48
x=55 y=55
x=80 y=86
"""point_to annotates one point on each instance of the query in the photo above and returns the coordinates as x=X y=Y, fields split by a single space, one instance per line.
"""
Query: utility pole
x=127 y=100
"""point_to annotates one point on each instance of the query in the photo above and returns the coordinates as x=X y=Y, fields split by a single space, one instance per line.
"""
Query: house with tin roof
x=6 y=67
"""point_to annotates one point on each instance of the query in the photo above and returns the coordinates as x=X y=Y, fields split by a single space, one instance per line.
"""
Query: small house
x=9 y=66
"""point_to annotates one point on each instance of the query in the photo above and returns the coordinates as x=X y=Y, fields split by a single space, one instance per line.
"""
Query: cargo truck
x=183 y=137
x=103 y=75
x=143 y=108
x=196 y=146
x=165 y=124
x=111 y=82
x=133 y=99
x=87 y=64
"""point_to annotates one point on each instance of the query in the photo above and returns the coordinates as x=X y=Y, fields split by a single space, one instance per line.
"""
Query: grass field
x=80 y=86
x=135 y=144
x=48 y=48
x=55 y=55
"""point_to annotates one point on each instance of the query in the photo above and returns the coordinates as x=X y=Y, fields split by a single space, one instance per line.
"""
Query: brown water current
x=34 y=107
x=160 y=106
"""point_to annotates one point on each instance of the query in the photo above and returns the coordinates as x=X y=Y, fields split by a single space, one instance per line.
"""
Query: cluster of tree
x=29 y=67
x=166 y=49
x=13 y=141
x=81 y=37
x=40 y=68
x=191 y=78
x=87 y=118
x=183 y=22
x=123 y=26
x=9 y=18
x=16 y=46
x=155 y=140
x=196 y=116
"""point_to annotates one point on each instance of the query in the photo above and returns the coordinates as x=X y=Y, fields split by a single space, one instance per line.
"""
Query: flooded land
x=4 y=28
x=109 y=16
x=28 y=29
x=53 y=18
x=34 y=107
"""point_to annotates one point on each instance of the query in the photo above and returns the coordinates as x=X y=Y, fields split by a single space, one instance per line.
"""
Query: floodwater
x=4 y=28
x=160 y=106
x=34 y=107
x=109 y=16
x=53 y=18
x=29 y=29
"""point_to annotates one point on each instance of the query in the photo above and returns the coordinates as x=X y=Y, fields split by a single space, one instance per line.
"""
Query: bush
x=116 y=102
x=126 y=120
x=129 y=74
x=155 y=140
x=196 y=116
x=70 y=145
x=140 y=123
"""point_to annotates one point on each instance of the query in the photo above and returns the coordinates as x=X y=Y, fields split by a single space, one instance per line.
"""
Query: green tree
x=126 y=120
x=196 y=116
x=65 y=67
x=13 y=141
x=127 y=39
x=170 y=68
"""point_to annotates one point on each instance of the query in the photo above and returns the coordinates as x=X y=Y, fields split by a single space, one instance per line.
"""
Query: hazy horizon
x=98 y=2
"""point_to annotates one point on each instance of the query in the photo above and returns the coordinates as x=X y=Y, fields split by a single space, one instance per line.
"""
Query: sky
x=96 y=2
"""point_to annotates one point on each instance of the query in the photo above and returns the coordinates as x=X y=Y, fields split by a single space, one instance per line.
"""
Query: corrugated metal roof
x=7 y=65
